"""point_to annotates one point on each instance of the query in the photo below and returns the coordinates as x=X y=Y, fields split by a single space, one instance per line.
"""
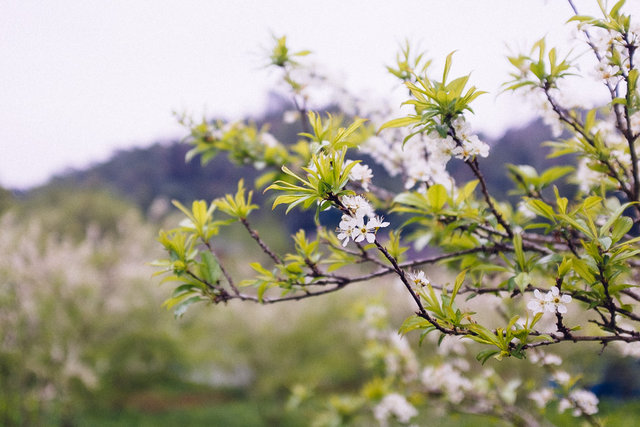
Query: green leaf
x=620 y=228
x=522 y=280
x=485 y=355
x=512 y=322
x=541 y=208
x=582 y=268
x=605 y=242
x=614 y=218
x=554 y=173
x=400 y=122
x=466 y=191
x=212 y=269
x=519 y=253
x=564 y=267
x=447 y=67
x=412 y=323
x=181 y=308
x=437 y=196
x=616 y=8
x=458 y=283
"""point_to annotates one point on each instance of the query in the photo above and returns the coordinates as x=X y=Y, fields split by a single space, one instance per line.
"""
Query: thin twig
x=261 y=243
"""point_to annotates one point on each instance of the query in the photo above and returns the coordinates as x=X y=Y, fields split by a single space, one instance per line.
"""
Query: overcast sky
x=80 y=79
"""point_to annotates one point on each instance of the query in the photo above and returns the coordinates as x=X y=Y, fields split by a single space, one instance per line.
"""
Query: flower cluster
x=471 y=146
x=582 y=401
x=352 y=226
x=446 y=379
x=394 y=405
x=552 y=301
x=362 y=174
x=423 y=158
x=544 y=359
x=542 y=397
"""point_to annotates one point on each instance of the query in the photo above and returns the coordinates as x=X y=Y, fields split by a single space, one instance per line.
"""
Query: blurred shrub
x=73 y=301
x=83 y=330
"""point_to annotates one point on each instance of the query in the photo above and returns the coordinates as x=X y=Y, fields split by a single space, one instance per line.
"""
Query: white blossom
x=355 y=228
x=461 y=127
x=561 y=377
x=377 y=222
x=542 y=397
x=477 y=147
x=364 y=231
x=451 y=345
x=538 y=356
x=422 y=159
x=471 y=145
x=557 y=301
x=394 y=405
x=608 y=72
x=358 y=206
x=552 y=301
x=268 y=140
x=539 y=304
x=631 y=349
x=446 y=379
x=582 y=401
x=587 y=177
x=290 y=116
x=361 y=173
x=346 y=228
x=418 y=278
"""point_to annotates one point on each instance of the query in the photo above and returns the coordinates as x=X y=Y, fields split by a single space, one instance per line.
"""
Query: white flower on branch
x=470 y=148
x=368 y=231
x=539 y=304
x=356 y=229
x=608 y=72
x=552 y=301
x=461 y=127
x=346 y=228
x=377 y=222
x=362 y=174
x=418 y=278
x=443 y=148
x=362 y=232
x=358 y=206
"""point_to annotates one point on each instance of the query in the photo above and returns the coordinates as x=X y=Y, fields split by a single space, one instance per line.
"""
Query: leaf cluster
x=436 y=103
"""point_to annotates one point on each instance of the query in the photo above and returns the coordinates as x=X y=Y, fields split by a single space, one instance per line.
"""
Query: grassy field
x=200 y=406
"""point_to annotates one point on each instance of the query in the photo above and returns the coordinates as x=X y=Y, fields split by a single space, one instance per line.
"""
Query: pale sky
x=80 y=79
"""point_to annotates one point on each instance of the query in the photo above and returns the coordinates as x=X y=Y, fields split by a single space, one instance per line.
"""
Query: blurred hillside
x=159 y=172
